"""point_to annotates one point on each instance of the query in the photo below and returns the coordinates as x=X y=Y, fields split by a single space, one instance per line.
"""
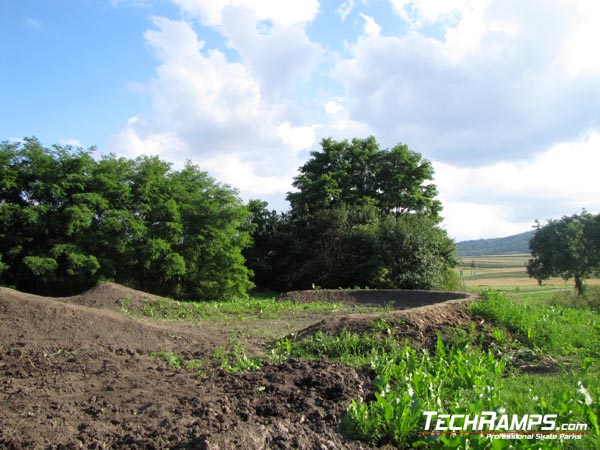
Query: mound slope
x=45 y=322
x=75 y=373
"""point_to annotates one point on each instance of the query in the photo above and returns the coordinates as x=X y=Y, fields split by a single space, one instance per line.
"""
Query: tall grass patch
x=553 y=328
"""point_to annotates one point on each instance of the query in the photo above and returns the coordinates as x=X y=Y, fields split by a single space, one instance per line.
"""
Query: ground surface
x=76 y=373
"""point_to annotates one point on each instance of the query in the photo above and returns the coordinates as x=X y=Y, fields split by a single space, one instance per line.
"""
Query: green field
x=506 y=273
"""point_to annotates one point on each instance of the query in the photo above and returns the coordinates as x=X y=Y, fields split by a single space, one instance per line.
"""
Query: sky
x=502 y=96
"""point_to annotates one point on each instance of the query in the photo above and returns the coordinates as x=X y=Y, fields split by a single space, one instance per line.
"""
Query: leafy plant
x=236 y=360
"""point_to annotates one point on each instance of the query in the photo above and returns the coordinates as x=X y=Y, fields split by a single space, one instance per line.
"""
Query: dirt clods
x=76 y=373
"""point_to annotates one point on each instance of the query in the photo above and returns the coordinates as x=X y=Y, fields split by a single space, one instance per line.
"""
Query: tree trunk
x=578 y=285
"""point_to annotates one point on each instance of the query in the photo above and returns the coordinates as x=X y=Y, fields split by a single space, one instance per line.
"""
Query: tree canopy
x=361 y=217
x=358 y=172
x=568 y=247
x=68 y=221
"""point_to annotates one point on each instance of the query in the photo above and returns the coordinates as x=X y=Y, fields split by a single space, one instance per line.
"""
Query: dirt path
x=75 y=373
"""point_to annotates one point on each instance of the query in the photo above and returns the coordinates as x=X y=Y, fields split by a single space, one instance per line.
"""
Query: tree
x=567 y=248
x=359 y=172
x=68 y=221
x=362 y=217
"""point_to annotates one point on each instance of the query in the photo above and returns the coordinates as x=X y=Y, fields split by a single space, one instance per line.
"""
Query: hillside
x=518 y=243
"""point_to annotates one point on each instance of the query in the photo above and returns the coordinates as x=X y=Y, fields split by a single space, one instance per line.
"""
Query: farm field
x=118 y=368
x=506 y=273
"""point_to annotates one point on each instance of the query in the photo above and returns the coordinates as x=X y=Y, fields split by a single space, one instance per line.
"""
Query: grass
x=463 y=376
x=558 y=330
x=526 y=326
x=239 y=309
x=175 y=361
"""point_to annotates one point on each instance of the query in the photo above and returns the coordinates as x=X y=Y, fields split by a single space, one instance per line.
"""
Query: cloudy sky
x=503 y=96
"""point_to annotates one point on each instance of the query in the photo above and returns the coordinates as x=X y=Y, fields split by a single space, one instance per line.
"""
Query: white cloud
x=276 y=55
x=487 y=97
x=370 y=26
x=284 y=12
x=200 y=95
x=466 y=221
x=70 y=141
x=213 y=111
x=506 y=197
x=131 y=3
x=230 y=169
x=345 y=9
x=580 y=51
x=419 y=12
x=494 y=88
x=338 y=124
x=298 y=138
x=333 y=107
x=139 y=138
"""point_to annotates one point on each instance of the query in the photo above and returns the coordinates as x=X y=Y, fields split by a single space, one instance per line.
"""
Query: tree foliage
x=567 y=248
x=362 y=217
x=68 y=221
x=359 y=172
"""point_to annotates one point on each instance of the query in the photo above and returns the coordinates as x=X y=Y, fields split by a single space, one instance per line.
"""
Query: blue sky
x=503 y=96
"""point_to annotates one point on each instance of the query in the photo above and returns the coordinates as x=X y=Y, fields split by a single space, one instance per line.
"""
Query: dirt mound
x=110 y=296
x=420 y=324
x=397 y=299
x=44 y=322
x=99 y=400
x=76 y=372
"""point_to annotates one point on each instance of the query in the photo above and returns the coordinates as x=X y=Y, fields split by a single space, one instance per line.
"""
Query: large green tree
x=567 y=248
x=361 y=216
x=68 y=220
x=359 y=172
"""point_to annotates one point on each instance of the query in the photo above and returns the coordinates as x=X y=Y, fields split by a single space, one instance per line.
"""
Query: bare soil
x=75 y=373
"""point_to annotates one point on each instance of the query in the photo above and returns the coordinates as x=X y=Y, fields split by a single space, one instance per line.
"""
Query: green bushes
x=68 y=221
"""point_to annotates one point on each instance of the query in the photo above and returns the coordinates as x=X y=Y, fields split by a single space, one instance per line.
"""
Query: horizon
x=504 y=101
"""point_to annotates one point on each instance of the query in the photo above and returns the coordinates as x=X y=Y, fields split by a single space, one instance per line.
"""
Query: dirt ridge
x=75 y=373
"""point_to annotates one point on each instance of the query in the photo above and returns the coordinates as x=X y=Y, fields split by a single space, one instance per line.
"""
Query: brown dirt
x=75 y=373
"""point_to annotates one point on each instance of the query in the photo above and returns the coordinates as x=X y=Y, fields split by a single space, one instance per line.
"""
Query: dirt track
x=75 y=373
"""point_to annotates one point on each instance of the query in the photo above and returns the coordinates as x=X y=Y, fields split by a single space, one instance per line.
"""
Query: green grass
x=239 y=309
x=175 y=361
x=236 y=359
x=462 y=376
x=557 y=330
x=470 y=372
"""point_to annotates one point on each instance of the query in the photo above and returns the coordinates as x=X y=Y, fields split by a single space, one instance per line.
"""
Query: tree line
x=68 y=221
x=360 y=216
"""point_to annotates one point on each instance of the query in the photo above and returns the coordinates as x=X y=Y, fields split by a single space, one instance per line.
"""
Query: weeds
x=460 y=377
x=560 y=330
x=172 y=360
x=175 y=361
x=236 y=360
x=241 y=309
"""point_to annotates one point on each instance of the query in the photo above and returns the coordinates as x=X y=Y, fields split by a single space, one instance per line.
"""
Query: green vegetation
x=557 y=330
x=236 y=359
x=566 y=248
x=362 y=216
x=68 y=221
x=238 y=309
x=472 y=372
x=175 y=361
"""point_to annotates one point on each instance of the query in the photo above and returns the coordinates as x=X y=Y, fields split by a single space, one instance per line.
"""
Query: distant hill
x=519 y=243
